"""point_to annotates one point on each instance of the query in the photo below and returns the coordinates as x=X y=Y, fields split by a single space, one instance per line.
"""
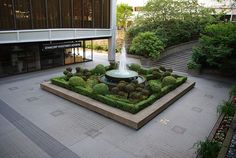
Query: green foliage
x=156 y=75
x=135 y=67
x=69 y=75
x=101 y=89
x=162 y=68
x=154 y=86
x=100 y=69
x=77 y=81
x=233 y=91
x=147 y=44
x=113 y=65
x=173 y=21
x=217 y=48
x=227 y=108
x=130 y=87
x=65 y=72
x=92 y=82
x=168 y=80
x=123 y=13
x=193 y=65
x=208 y=149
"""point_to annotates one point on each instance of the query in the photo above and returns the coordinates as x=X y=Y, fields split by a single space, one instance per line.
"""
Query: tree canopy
x=123 y=13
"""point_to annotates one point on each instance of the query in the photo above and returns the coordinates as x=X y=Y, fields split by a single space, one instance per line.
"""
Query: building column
x=112 y=40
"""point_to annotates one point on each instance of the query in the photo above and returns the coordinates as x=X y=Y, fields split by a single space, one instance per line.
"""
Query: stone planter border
x=135 y=121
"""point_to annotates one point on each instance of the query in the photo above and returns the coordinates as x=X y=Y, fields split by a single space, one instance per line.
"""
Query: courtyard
x=35 y=123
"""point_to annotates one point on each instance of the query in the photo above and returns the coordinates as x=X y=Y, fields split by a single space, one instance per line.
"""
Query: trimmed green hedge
x=118 y=103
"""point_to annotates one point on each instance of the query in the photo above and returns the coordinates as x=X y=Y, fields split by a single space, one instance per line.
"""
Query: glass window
x=53 y=14
x=77 y=14
x=6 y=15
x=22 y=12
x=106 y=13
x=88 y=14
x=66 y=13
x=39 y=14
x=97 y=14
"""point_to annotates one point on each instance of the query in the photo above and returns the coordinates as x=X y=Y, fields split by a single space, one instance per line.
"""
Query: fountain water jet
x=112 y=77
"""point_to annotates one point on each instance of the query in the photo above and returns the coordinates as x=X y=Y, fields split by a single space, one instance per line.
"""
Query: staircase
x=177 y=61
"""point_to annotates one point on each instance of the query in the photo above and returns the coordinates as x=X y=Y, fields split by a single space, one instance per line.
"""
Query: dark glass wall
x=77 y=13
x=66 y=13
x=39 y=14
x=53 y=14
x=43 y=14
x=6 y=15
x=23 y=15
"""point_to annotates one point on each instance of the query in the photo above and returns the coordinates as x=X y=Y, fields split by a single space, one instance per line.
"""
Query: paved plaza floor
x=38 y=124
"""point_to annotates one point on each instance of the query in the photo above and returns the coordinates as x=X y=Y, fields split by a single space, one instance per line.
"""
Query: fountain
x=112 y=77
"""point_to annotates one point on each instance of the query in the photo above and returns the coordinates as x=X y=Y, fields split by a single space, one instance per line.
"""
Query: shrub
x=147 y=44
x=154 y=86
x=232 y=90
x=99 y=69
x=162 y=68
x=193 y=65
x=77 y=81
x=129 y=88
x=217 y=48
x=121 y=85
x=156 y=75
x=115 y=90
x=122 y=94
x=78 y=69
x=227 y=108
x=135 y=67
x=69 y=69
x=113 y=65
x=92 y=82
x=169 y=70
x=167 y=73
x=168 y=80
x=65 y=72
x=101 y=88
x=69 y=75
x=145 y=92
x=208 y=149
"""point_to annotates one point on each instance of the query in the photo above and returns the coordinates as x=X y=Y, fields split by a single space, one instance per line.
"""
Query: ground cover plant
x=128 y=96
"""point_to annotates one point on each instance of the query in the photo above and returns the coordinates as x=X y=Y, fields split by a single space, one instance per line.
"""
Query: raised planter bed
x=135 y=121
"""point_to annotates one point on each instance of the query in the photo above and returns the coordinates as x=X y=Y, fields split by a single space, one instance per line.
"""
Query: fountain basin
x=112 y=77
x=117 y=75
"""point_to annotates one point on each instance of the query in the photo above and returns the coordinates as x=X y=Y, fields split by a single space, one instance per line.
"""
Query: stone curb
x=135 y=121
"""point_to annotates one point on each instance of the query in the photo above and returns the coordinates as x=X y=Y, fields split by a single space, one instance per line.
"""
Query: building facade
x=40 y=34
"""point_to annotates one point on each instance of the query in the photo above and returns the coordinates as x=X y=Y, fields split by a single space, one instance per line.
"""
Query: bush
x=65 y=72
x=101 y=88
x=156 y=75
x=167 y=73
x=154 y=86
x=100 y=69
x=193 y=65
x=168 y=80
x=162 y=68
x=69 y=75
x=147 y=44
x=227 y=108
x=233 y=91
x=113 y=65
x=217 y=48
x=92 y=82
x=78 y=69
x=77 y=81
x=129 y=88
x=208 y=149
x=135 y=67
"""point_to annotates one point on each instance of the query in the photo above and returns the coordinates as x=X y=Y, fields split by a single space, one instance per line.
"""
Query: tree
x=231 y=4
x=164 y=10
x=123 y=13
